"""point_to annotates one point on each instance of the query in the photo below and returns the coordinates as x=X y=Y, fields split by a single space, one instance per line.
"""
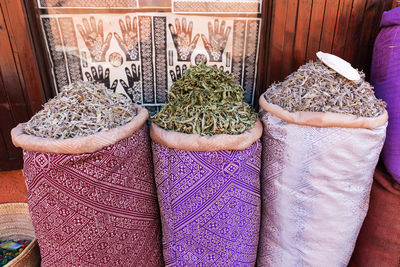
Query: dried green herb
x=206 y=101
x=81 y=109
x=315 y=87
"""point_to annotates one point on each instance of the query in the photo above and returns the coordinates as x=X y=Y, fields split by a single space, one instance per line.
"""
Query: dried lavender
x=315 y=87
x=206 y=101
x=81 y=109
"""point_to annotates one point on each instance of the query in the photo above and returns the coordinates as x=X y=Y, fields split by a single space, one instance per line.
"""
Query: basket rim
x=22 y=207
x=18 y=208
x=15 y=218
x=23 y=254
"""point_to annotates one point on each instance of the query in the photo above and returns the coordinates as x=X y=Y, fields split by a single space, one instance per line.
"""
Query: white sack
x=315 y=191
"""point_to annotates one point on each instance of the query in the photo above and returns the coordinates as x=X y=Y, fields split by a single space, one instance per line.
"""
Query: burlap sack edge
x=78 y=145
x=198 y=143
x=323 y=119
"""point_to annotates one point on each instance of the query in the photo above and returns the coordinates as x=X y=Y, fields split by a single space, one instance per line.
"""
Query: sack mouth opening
x=80 y=144
x=323 y=119
x=199 y=143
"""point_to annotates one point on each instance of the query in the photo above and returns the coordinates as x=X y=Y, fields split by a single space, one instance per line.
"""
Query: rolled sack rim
x=80 y=144
x=199 y=143
x=323 y=119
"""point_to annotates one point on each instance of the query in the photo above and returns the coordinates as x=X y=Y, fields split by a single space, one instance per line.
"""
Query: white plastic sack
x=315 y=184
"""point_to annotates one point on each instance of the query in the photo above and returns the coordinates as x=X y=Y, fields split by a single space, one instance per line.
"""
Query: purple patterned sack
x=210 y=205
x=385 y=76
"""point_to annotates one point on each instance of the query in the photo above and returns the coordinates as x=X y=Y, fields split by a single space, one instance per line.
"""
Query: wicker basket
x=15 y=223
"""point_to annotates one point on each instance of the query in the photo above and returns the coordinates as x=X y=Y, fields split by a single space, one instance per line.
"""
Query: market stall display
x=322 y=137
x=207 y=154
x=88 y=168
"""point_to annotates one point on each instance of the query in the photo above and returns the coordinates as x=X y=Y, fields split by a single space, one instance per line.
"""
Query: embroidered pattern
x=250 y=60
x=89 y=3
x=160 y=48
x=53 y=39
x=273 y=158
x=224 y=6
x=72 y=50
x=239 y=31
x=146 y=55
x=308 y=182
x=210 y=205
x=97 y=209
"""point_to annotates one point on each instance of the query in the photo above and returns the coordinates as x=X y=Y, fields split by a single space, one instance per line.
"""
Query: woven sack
x=378 y=244
x=16 y=224
x=93 y=199
x=385 y=77
x=209 y=196
x=316 y=178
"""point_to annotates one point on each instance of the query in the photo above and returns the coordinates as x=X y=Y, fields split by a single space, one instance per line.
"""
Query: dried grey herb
x=206 y=101
x=81 y=109
x=315 y=87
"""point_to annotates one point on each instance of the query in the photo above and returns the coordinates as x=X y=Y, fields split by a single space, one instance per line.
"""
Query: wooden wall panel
x=24 y=55
x=290 y=33
x=277 y=39
x=353 y=36
x=21 y=93
x=300 y=28
x=314 y=34
x=329 y=25
x=342 y=25
x=301 y=34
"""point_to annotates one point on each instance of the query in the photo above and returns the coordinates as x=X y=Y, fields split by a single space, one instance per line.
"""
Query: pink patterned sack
x=209 y=198
x=95 y=209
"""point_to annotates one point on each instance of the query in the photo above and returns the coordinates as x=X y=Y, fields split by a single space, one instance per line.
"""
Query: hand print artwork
x=98 y=77
x=216 y=43
x=177 y=74
x=94 y=39
x=133 y=88
x=129 y=40
x=182 y=38
x=160 y=45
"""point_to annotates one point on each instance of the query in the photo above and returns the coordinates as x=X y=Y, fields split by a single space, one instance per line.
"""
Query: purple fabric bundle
x=210 y=205
x=385 y=76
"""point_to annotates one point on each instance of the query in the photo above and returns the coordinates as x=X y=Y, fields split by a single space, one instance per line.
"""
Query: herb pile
x=81 y=109
x=206 y=101
x=315 y=87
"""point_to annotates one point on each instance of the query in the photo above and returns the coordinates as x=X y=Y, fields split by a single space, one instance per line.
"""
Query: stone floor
x=12 y=187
